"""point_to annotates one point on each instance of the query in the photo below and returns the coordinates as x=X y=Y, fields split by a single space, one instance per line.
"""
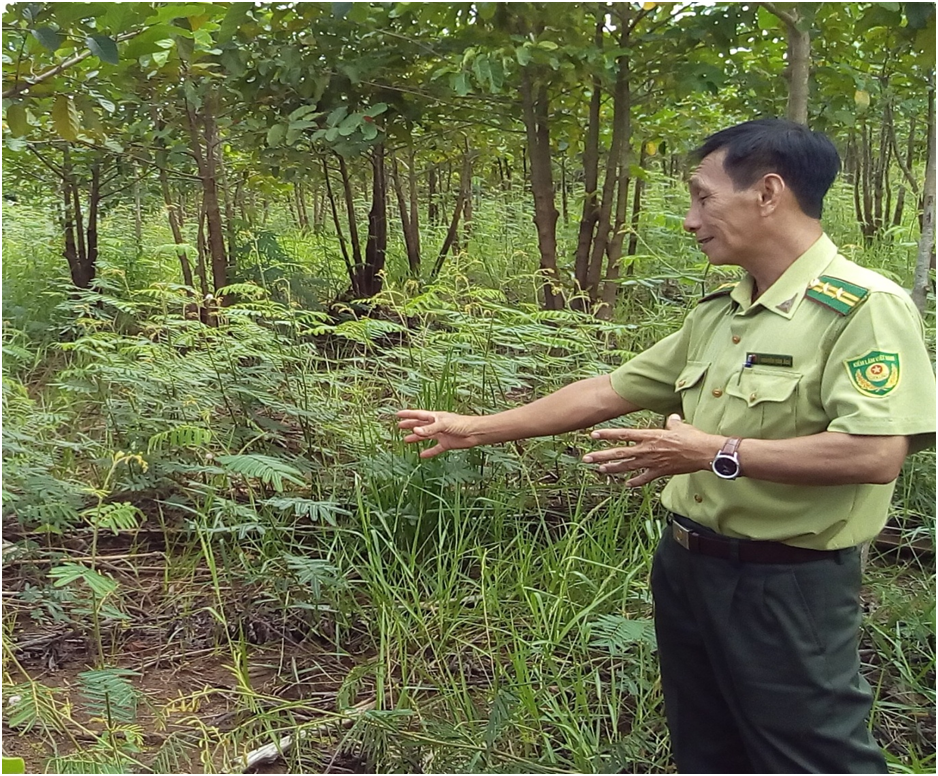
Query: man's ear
x=771 y=190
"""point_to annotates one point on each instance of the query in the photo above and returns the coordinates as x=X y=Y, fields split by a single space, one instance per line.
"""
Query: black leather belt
x=744 y=550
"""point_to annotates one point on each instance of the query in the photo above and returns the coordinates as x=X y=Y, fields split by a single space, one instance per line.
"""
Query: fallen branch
x=271 y=752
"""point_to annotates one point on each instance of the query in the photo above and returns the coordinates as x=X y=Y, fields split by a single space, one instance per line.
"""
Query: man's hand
x=678 y=448
x=449 y=430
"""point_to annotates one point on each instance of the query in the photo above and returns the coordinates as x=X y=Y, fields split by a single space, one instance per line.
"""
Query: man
x=802 y=388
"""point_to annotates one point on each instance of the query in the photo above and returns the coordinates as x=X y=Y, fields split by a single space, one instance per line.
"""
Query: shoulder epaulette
x=839 y=295
x=723 y=290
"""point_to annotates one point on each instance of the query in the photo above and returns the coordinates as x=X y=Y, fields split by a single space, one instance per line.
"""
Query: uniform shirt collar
x=784 y=296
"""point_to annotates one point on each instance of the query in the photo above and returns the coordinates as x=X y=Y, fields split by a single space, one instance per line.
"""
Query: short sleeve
x=879 y=379
x=648 y=379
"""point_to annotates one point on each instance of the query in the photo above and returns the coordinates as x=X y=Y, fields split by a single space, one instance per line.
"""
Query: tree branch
x=786 y=16
x=18 y=88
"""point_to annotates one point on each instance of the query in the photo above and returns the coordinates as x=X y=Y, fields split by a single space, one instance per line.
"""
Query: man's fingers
x=673 y=421
x=432 y=451
x=625 y=434
x=404 y=425
x=642 y=479
x=618 y=467
x=613 y=454
x=424 y=415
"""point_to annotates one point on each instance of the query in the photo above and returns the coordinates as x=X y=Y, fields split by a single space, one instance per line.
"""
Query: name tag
x=769 y=359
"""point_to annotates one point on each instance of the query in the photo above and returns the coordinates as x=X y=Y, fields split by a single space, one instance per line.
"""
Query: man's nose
x=691 y=222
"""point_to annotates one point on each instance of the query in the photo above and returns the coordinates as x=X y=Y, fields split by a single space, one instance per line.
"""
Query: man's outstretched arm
x=579 y=405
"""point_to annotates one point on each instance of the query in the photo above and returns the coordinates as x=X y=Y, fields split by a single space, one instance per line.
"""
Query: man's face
x=725 y=222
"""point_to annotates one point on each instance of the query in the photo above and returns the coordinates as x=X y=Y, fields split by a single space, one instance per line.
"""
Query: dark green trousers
x=759 y=664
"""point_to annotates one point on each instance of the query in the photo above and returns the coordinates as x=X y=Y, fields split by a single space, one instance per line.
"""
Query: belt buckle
x=681 y=535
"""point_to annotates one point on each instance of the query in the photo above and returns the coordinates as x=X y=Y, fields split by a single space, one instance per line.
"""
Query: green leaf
x=67 y=573
x=336 y=116
x=104 y=48
x=301 y=112
x=275 y=135
x=270 y=471
x=350 y=124
x=523 y=55
x=48 y=37
x=149 y=41
x=160 y=58
x=14 y=765
x=341 y=10
x=925 y=43
x=234 y=18
x=65 y=118
x=487 y=11
x=114 y=517
x=878 y=16
x=918 y=14
x=369 y=131
x=16 y=119
x=108 y=694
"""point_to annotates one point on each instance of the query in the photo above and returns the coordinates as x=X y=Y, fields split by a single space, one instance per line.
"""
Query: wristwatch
x=726 y=463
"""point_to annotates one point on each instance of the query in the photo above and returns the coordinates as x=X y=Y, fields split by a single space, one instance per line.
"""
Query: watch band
x=730 y=446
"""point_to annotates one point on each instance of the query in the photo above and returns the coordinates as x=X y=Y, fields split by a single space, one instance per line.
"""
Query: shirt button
x=717 y=392
x=735 y=340
x=698 y=498
x=752 y=397
x=681 y=383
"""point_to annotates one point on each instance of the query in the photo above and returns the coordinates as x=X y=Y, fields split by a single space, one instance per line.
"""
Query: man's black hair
x=807 y=161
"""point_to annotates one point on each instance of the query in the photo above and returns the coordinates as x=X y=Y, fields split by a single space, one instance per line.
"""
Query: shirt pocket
x=763 y=402
x=689 y=385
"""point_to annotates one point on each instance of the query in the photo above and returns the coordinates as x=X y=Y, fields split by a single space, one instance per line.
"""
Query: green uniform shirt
x=831 y=346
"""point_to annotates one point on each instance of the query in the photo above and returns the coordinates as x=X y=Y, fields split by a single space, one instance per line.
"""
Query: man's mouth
x=704 y=241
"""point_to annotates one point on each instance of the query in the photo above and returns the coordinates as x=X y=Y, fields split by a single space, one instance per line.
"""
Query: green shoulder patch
x=723 y=290
x=839 y=295
x=874 y=374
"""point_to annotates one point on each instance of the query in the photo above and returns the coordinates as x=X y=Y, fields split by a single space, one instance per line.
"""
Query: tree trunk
x=176 y=227
x=201 y=251
x=352 y=225
x=616 y=169
x=636 y=209
x=450 y=239
x=228 y=200
x=206 y=161
x=591 y=209
x=906 y=170
x=799 y=53
x=535 y=111
x=467 y=209
x=75 y=252
x=623 y=128
x=343 y=245
x=564 y=209
x=138 y=214
x=376 y=248
x=432 y=209
x=414 y=203
x=926 y=244
x=411 y=245
x=94 y=200
x=798 y=72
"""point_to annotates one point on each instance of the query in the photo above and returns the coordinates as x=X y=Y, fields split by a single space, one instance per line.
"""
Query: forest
x=237 y=238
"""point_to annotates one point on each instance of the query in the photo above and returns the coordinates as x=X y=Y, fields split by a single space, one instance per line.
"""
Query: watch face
x=725 y=466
